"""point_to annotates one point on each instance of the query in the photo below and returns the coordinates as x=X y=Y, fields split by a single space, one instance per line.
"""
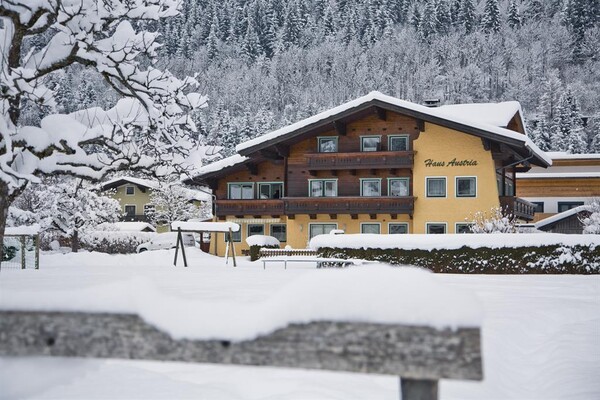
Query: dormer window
x=130 y=190
x=328 y=144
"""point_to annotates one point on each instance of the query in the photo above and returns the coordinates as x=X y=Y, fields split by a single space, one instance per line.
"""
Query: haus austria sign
x=451 y=163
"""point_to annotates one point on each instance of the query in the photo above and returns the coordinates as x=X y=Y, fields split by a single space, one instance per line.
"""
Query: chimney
x=431 y=102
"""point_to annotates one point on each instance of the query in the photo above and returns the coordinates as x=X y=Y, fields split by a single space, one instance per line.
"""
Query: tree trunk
x=4 y=203
x=75 y=241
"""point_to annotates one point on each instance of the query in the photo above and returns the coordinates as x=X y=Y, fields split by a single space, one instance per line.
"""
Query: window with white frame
x=240 y=190
x=370 y=187
x=463 y=228
x=397 y=228
x=398 y=143
x=235 y=236
x=320 y=229
x=270 y=190
x=327 y=144
x=370 y=143
x=398 y=187
x=436 y=228
x=279 y=231
x=130 y=190
x=369 y=227
x=256 y=229
x=466 y=186
x=323 y=187
x=436 y=187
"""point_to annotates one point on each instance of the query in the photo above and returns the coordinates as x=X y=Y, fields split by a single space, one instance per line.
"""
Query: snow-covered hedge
x=480 y=254
x=114 y=242
x=257 y=242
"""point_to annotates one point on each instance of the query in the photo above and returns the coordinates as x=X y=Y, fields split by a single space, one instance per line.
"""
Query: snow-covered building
x=569 y=221
x=573 y=180
x=376 y=164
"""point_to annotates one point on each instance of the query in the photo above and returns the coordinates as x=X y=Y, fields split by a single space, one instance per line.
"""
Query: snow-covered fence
x=420 y=355
x=21 y=248
x=286 y=252
x=114 y=242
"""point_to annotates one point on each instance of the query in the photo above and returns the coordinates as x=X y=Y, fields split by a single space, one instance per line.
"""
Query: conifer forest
x=268 y=63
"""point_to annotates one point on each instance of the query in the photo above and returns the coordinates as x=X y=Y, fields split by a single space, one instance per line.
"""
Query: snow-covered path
x=541 y=337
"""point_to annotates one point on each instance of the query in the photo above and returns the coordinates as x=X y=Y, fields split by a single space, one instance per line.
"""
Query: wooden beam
x=340 y=128
x=282 y=150
x=270 y=154
x=487 y=144
x=354 y=216
x=381 y=113
x=394 y=216
x=253 y=168
x=413 y=352
x=420 y=125
x=333 y=216
x=312 y=216
x=213 y=184
x=373 y=216
x=291 y=216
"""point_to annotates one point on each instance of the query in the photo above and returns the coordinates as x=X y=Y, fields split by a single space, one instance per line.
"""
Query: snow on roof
x=22 y=230
x=262 y=240
x=434 y=112
x=136 y=181
x=449 y=241
x=561 y=155
x=496 y=114
x=548 y=175
x=205 y=226
x=133 y=226
x=221 y=164
x=560 y=216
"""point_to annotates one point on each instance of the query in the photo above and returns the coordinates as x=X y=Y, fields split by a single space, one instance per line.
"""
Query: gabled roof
x=191 y=194
x=560 y=216
x=496 y=114
x=518 y=141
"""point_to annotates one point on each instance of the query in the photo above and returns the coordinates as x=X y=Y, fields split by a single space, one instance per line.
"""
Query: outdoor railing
x=249 y=207
x=361 y=160
x=517 y=207
x=349 y=205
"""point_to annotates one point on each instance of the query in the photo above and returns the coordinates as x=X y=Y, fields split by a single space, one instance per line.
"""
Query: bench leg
x=418 y=389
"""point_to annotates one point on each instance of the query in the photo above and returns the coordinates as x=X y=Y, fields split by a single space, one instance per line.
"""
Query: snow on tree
x=173 y=202
x=491 y=17
x=467 y=15
x=514 y=18
x=496 y=221
x=591 y=223
x=148 y=128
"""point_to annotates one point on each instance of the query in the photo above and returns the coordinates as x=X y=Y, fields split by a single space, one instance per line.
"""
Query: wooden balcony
x=360 y=160
x=517 y=207
x=249 y=207
x=349 y=205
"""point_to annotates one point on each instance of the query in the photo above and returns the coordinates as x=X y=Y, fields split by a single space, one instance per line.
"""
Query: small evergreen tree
x=514 y=19
x=491 y=17
x=467 y=15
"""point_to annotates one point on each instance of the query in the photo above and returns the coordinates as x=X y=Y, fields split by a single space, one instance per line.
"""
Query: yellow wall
x=443 y=144
x=139 y=199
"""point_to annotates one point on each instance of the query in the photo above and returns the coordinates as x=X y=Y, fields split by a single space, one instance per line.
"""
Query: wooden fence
x=286 y=252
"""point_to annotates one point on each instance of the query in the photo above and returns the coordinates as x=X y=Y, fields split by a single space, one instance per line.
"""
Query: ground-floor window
x=463 y=228
x=279 y=232
x=321 y=229
x=370 y=228
x=130 y=210
x=256 y=229
x=436 y=227
x=236 y=236
x=567 y=205
x=395 y=229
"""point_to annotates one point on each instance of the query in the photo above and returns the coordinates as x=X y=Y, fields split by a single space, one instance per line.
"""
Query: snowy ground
x=541 y=336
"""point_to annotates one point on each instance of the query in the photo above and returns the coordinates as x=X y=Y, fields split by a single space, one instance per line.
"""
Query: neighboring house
x=565 y=222
x=573 y=180
x=134 y=195
x=376 y=164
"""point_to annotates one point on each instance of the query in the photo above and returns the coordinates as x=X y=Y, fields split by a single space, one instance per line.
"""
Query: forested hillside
x=266 y=63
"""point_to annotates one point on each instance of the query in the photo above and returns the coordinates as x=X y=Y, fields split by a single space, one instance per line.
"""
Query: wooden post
x=180 y=239
x=176 y=250
x=418 y=389
x=23 y=266
x=37 y=251
x=232 y=247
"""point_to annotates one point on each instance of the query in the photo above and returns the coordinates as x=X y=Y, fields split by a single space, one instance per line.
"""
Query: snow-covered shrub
x=591 y=223
x=257 y=242
x=495 y=221
x=173 y=202
x=114 y=242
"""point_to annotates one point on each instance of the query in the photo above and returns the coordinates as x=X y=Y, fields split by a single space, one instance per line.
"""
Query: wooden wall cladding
x=267 y=171
x=571 y=187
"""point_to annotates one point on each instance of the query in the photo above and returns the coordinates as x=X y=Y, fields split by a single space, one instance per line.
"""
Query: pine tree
x=576 y=141
x=534 y=10
x=415 y=19
x=594 y=134
x=467 y=13
x=491 y=17
x=270 y=27
x=212 y=45
x=429 y=22
x=514 y=19
x=251 y=48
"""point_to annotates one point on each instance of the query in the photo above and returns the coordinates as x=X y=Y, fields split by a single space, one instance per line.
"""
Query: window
x=271 y=190
x=436 y=187
x=397 y=229
x=436 y=228
x=323 y=187
x=321 y=229
x=370 y=187
x=328 y=144
x=130 y=190
x=279 y=231
x=370 y=228
x=466 y=186
x=130 y=210
x=256 y=229
x=243 y=190
x=398 y=143
x=235 y=236
x=567 y=205
x=398 y=187
x=370 y=143
x=463 y=228
x=539 y=206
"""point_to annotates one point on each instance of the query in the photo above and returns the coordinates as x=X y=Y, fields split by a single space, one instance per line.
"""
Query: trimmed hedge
x=555 y=259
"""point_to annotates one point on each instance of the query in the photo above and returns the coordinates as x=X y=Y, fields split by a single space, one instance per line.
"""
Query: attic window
x=130 y=190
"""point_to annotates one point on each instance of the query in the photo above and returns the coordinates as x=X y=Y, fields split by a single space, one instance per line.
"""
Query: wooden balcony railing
x=361 y=160
x=249 y=207
x=518 y=207
x=349 y=205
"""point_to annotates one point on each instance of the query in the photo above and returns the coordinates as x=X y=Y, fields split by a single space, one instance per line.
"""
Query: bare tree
x=148 y=128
